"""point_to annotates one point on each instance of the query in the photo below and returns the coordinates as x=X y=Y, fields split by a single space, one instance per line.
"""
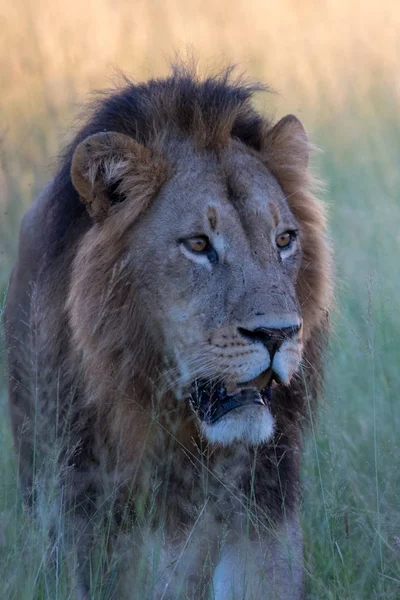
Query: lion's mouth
x=213 y=401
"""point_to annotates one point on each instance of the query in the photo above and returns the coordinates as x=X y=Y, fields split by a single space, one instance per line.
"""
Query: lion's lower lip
x=212 y=403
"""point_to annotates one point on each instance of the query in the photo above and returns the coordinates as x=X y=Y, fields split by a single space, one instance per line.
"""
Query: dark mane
x=210 y=111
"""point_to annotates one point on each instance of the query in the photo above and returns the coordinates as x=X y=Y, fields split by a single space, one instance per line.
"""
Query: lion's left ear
x=110 y=167
x=287 y=147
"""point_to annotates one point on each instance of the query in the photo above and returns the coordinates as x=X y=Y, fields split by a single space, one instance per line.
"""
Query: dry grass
x=53 y=53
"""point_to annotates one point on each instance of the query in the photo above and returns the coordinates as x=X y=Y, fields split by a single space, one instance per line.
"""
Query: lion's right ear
x=110 y=167
x=288 y=148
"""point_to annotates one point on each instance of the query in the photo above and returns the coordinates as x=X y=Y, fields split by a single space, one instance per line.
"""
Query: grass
x=335 y=67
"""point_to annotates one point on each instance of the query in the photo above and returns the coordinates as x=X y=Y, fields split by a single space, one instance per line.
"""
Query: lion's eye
x=199 y=244
x=284 y=240
x=199 y=247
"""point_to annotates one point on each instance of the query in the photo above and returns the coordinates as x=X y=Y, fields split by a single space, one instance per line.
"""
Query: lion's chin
x=253 y=425
x=241 y=416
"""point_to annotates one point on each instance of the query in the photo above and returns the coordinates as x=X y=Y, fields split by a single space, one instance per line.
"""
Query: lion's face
x=196 y=267
x=218 y=253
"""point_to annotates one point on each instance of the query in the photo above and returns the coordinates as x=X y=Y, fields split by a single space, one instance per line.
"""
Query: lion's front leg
x=81 y=525
x=157 y=566
x=267 y=568
x=77 y=541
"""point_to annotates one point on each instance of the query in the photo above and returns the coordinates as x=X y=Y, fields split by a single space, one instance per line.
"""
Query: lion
x=165 y=324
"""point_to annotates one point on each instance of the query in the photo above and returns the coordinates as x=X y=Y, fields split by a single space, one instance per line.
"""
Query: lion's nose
x=271 y=337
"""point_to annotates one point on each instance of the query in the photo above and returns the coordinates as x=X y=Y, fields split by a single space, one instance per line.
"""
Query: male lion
x=165 y=323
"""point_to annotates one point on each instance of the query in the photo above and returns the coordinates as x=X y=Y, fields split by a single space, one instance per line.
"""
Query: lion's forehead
x=236 y=184
x=250 y=180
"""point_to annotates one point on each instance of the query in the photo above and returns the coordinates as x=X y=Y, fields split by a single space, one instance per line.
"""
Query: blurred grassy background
x=336 y=65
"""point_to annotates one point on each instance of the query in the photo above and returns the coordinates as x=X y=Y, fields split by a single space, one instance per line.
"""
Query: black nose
x=271 y=338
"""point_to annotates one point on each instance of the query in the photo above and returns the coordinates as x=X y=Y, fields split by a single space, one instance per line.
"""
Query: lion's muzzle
x=272 y=338
x=283 y=343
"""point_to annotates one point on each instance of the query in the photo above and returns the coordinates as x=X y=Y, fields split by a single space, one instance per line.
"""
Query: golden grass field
x=335 y=64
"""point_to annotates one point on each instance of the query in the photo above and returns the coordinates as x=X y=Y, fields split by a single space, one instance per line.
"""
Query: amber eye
x=201 y=247
x=200 y=244
x=284 y=239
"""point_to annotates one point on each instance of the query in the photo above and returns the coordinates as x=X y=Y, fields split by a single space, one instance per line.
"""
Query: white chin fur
x=253 y=425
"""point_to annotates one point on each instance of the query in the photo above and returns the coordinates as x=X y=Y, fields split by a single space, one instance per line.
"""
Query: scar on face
x=212 y=217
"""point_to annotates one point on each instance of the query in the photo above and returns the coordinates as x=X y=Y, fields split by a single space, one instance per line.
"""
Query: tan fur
x=126 y=319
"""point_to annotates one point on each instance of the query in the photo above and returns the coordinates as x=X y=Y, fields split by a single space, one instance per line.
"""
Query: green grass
x=351 y=474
